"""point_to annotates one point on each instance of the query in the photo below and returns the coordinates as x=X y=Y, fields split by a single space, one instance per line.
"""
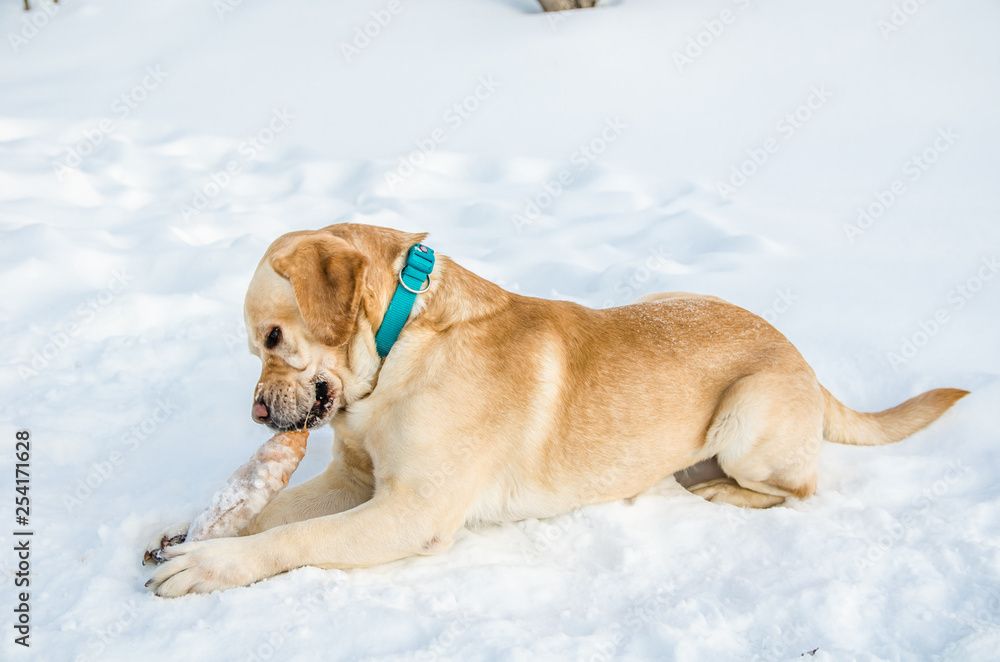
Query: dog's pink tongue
x=259 y=411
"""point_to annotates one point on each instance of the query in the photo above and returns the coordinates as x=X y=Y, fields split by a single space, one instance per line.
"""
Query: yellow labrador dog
x=495 y=407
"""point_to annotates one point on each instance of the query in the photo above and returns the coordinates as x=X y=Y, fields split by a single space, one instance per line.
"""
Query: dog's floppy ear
x=326 y=274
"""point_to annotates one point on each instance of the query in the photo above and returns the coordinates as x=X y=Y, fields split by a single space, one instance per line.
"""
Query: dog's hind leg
x=727 y=490
x=766 y=435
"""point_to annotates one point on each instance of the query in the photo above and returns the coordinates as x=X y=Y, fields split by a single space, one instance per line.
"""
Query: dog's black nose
x=259 y=412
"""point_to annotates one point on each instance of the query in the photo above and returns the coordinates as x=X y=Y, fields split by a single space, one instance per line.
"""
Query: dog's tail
x=843 y=425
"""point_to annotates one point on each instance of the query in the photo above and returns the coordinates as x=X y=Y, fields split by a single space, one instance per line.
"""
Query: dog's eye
x=273 y=338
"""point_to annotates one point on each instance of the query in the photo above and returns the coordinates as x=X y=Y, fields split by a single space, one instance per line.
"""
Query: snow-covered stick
x=248 y=490
x=251 y=487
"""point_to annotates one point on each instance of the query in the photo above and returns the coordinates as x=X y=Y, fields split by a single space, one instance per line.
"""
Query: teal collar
x=419 y=264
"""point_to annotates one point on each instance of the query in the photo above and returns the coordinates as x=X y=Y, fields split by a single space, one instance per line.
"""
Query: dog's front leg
x=333 y=491
x=395 y=524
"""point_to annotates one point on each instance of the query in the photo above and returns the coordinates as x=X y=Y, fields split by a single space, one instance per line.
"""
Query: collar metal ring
x=410 y=289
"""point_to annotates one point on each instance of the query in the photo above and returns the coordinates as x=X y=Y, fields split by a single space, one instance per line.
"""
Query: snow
x=218 y=130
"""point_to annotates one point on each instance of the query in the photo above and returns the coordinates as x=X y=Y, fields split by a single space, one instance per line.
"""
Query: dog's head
x=301 y=310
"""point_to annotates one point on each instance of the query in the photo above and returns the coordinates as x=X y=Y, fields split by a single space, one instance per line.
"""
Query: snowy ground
x=149 y=152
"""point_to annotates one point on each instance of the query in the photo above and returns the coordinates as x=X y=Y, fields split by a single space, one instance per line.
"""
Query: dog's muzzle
x=264 y=414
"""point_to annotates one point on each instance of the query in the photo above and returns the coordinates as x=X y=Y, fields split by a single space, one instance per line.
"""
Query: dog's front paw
x=172 y=536
x=206 y=566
